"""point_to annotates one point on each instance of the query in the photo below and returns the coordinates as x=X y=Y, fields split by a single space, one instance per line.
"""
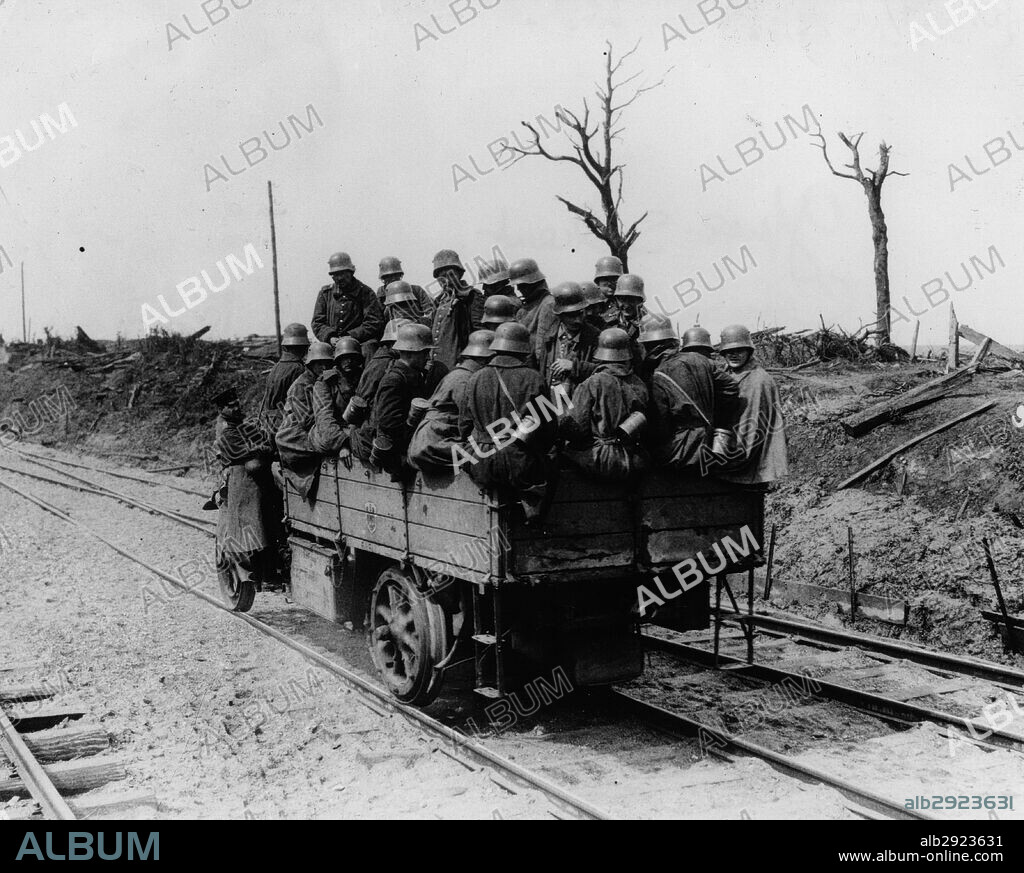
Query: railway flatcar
x=443 y=574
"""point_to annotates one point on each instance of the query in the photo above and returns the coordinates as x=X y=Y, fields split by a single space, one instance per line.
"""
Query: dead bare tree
x=594 y=159
x=871 y=181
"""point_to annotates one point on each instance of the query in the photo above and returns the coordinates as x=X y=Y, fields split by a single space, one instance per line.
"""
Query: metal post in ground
x=853 y=576
x=768 y=569
x=1008 y=641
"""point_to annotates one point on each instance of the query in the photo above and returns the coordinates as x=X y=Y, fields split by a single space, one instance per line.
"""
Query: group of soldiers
x=407 y=382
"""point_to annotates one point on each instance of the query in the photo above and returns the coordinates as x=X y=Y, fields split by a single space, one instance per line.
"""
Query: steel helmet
x=655 y=328
x=446 y=259
x=391 y=329
x=697 y=337
x=479 y=345
x=390 y=267
x=320 y=352
x=339 y=262
x=613 y=345
x=525 y=272
x=593 y=295
x=630 y=285
x=346 y=345
x=413 y=338
x=398 y=292
x=511 y=337
x=295 y=335
x=494 y=272
x=609 y=265
x=735 y=336
x=498 y=309
x=568 y=298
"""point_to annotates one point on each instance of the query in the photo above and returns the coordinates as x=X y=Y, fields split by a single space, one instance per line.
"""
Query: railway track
x=55 y=756
x=448 y=737
x=889 y=707
x=673 y=722
x=33 y=776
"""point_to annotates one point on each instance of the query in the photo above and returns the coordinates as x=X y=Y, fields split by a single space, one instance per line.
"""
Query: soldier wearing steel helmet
x=430 y=448
x=506 y=391
x=499 y=308
x=459 y=308
x=690 y=399
x=606 y=273
x=608 y=414
x=400 y=301
x=759 y=456
x=599 y=314
x=300 y=462
x=494 y=279
x=564 y=354
x=383 y=439
x=537 y=314
x=347 y=307
x=249 y=531
x=391 y=270
x=628 y=299
x=381 y=361
x=331 y=395
x=294 y=345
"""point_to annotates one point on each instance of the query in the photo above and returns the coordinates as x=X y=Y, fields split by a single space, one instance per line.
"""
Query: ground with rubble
x=917 y=523
x=218 y=722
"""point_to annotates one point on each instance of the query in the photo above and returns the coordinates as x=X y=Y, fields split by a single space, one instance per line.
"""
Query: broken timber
x=996 y=349
x=866 y=420
x=888 y=456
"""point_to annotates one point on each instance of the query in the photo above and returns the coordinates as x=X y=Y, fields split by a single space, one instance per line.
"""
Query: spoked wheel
x=408 y=636
x=236 y=588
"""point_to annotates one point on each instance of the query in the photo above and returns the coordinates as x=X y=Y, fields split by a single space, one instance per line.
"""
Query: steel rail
x=867 y=701
x=39 y=784
x=106 y=471
x=653 y=713
x=359 y=684
x=101 y=490
x=928 y=658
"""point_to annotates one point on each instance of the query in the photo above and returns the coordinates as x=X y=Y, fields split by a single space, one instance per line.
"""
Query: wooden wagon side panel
x=452 y=528
x=683 y=515
x=372 y=510
x=589 y=527
x=319 y=517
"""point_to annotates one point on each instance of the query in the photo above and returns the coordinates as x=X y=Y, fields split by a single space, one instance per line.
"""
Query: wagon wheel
x=408 y=636
x=238 y=591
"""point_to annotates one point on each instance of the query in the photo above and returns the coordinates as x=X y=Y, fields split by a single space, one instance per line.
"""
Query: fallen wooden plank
x=885 y=609
x=888 y=456
x=866 y=420
x=998 y=349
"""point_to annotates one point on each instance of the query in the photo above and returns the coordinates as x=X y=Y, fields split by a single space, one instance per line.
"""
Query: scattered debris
x=888 y=456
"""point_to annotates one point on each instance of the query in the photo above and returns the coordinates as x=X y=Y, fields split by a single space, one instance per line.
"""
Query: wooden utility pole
x=24 y=329
x=273 y=247
x=913 y=345
x=953 y=354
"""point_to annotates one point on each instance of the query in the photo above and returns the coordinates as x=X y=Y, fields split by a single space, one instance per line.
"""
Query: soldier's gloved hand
x=345 y=456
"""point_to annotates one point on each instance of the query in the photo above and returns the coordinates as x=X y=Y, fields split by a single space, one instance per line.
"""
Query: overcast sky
x=119 y=209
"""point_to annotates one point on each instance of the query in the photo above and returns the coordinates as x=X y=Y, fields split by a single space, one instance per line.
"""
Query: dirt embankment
x=917 y=523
